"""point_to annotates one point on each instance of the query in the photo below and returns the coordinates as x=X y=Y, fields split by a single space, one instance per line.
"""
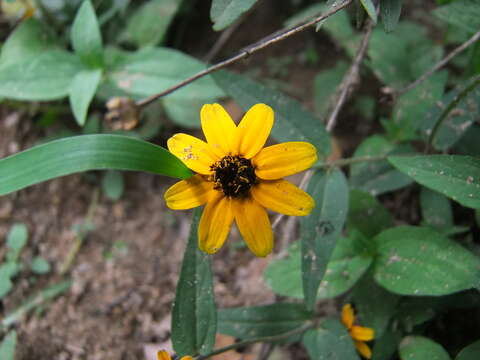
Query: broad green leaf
x=370 y=9
x=462 y=13
x=148 y=25
x=436 y=209
x=458 y=120
x=412 y=107
x=375 y=306
x=330 y=341
x=194 y=316
x=366 y=214
x=325 y=84
x=86 y=152
x=224 y=12
x=28 y=40
x=292 y=121
x=457 y=177
x=264 y=320
x=377 y=177
x=82 y=90
x=320 y=229
x=43 y=78
x=420 y=261
x=7 y=346
x=152 y=70
x=86 y=37
x=471 y=352
x=40 y=266
x=421 y=348
x=113 y=184
x=390 y=13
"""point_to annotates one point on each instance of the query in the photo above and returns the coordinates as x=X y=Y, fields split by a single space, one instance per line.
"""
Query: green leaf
x=148 y=25
x=458 y=120
x=43 y=78
x=86 y=152
x=420 y=261
x=152 y=70
x=113 y=185
x=471 y=352
x=457 y=177
x=28 y=40
x=366 y=214
x=386 y=345
x=436 y=209
x=377 y=177
x=462 y=13
x=40 y=266
x=370 y=9
x=421 y=348
x=194 y=316
x=390 y=13
x=17 y=238
x=86 y=37
x=7 y=347
x=320 y=229
x=82 y=90
x=324 y=86
x=469 y=144
x=7 y=271
x=264 y=320
x=292 y=122
x=375 y=306
x=330 y=341
x=224 y=12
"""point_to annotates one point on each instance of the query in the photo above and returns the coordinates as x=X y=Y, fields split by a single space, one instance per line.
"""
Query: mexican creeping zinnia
x=359 y=334
x=238 y=178
x=163 y=355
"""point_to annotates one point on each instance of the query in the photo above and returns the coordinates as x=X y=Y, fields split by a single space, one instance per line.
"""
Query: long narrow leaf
x=82 y=153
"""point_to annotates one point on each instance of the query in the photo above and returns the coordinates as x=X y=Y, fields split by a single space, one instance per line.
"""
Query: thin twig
x=299 y=330
x=441 y=63
x=351 y=78
x=249 y=50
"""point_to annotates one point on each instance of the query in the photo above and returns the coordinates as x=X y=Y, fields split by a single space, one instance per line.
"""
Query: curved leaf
x=87 y=152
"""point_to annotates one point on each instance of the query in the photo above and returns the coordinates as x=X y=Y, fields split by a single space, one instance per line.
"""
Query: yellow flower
x=18 y=9
x=359 y=334
x=163 y=355
x=238 y=178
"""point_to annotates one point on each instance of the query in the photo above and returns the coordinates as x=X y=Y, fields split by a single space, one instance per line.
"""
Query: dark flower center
x=233 y=175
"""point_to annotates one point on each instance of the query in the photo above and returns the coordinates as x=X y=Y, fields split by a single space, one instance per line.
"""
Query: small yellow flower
x=18 y=9
x=163 y=355
x=238 y=178
x=359 y=334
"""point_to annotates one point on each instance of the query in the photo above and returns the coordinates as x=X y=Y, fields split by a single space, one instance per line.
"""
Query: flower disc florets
x=234 y=175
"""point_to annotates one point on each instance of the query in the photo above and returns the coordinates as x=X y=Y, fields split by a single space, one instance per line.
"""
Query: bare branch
x=440 y=64
x=249 y=50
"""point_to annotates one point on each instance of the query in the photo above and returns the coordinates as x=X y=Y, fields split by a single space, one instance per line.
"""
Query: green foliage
x=292 y=121
x=194 y=316
x=321 y=229
x=40 y=266
x=420 y=261
x=82 y=90
x=471 y=352
x=224 y=12
x=324 y=86
x=457 y=177
x=265 y=320
x=390 y=13
x=330 y=341
x=87 y=152
x=113 y=184
x=436 y=209
x=7 y=346
x=370 y=9
x=419 y=348
x=462 y=13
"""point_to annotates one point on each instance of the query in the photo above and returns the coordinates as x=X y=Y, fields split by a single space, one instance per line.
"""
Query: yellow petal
x=254 y=129
x=254 y=225
x=363 y=349
x=215 y=223
x=188 y=357
x=194 y=153
x=362 y=333
x=283 y=197
x=277 y=161
x=348 y=316
x=163 y=355
x=219 y=129
x=189 y=193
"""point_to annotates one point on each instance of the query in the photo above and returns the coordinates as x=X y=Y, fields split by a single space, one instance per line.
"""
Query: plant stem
x=249 y=50
x=297 y=331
